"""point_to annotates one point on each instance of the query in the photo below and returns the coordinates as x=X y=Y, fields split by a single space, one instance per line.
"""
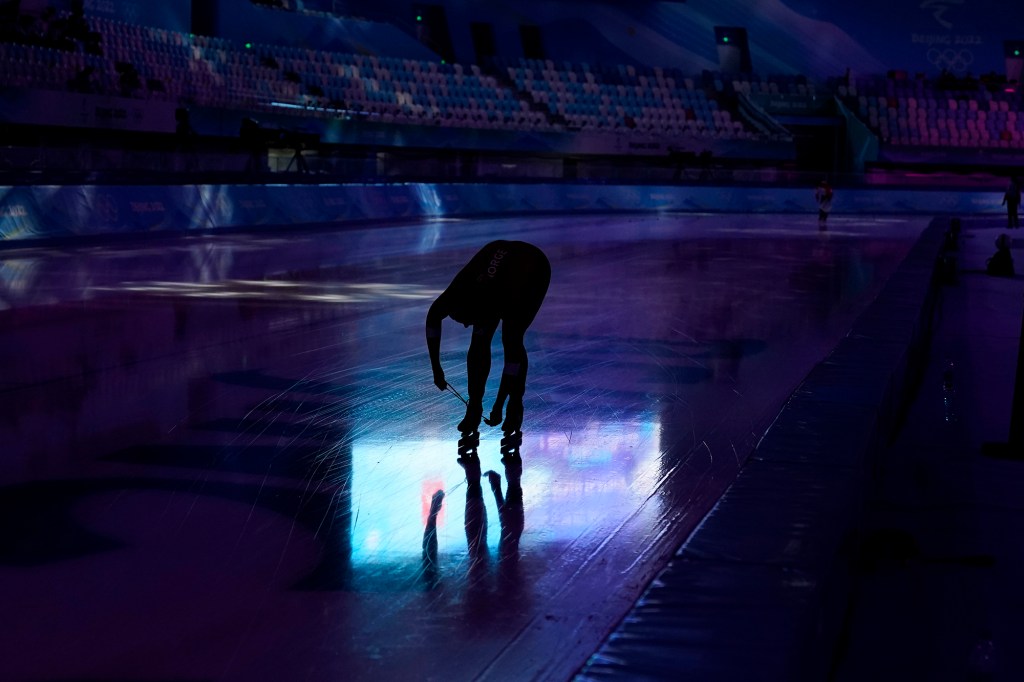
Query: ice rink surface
x=225 y=459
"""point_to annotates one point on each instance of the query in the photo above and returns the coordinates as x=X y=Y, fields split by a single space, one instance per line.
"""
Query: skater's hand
x=495 y=418
x=439 y=379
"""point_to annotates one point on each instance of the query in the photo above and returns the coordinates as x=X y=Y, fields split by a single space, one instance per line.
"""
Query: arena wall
x=35 y=212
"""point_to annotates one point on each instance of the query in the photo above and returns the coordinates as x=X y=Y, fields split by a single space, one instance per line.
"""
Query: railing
x=166 y=160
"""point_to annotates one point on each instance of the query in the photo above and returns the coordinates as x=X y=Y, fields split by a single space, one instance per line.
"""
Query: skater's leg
x=513 y=377
x=478 y=366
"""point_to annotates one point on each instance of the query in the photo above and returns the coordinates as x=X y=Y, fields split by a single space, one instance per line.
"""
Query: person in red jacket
x=505 y=282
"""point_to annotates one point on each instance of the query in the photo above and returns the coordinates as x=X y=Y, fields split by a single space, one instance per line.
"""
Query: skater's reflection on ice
x=430 y=572
x=476 y=511
x=511 y=516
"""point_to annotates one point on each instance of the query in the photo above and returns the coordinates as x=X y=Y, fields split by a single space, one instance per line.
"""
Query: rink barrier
x=42 y=212
x=761 y=588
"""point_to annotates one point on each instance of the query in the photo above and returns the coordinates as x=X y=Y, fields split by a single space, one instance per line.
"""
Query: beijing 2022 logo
x=947 y=51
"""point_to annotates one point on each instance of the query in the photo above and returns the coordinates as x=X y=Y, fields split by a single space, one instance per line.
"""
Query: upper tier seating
x=919 y=113
x=146 y=62
x=655 y=101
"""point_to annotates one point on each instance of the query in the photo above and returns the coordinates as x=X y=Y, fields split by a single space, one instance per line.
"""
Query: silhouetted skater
x=505 y=282
x=823 y=195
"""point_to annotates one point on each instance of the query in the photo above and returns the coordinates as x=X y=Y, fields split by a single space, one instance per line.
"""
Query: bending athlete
x=505 y=282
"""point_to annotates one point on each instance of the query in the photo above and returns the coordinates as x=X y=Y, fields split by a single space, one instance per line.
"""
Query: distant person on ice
x=505 y=282
x=1011 y=199
x=823 y=195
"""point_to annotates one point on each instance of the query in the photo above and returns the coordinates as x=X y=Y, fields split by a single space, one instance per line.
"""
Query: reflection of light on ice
x=390 y=480
x=570 y=482
x=597 y=444
x=429 y=199
x=280 y=290
x=600 y=470
x=579 y=488
x=372 y=541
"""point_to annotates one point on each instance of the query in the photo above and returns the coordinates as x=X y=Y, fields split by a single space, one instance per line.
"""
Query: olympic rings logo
x=957 y=61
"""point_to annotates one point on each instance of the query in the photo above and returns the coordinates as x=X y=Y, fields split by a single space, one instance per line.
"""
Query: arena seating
x=766 y=85
x=146 y=62
x=116 y=58
x=920 y=113
x=656 y=100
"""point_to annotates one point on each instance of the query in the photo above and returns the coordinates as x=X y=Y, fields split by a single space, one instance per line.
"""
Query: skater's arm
x=433 y=331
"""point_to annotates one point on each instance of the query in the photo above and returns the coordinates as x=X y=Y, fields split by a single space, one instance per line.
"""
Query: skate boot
x=471 y=422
